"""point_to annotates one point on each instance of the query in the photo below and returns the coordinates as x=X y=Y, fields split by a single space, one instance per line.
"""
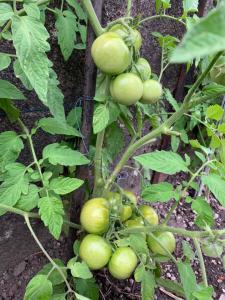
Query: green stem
x=19 y=13
x=62 y=4
x=9 y=54
x=98 y=160
x=46 y=254
x=129 y=8
x=175 y=205
x=175 y=230
x=52 y=10
x=150 y=18
x=166 y=125
x=92 y=17
x=201 y=261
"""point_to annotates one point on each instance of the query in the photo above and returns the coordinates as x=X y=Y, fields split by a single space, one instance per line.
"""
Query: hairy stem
x=150 y=18
x=201 y=261
x=92 y=17
x=129 y=8
x=98 y=160
x=46 y=253
x=166 y=125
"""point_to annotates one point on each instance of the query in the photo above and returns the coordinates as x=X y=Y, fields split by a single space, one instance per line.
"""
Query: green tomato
x=110 y=54
x=212 y=250
x=142 y=68
x=127 y=89
x=134 y=223
x=167 y=239
x=94 y=216
x=137 y=40
x=122 y=263
x=217 y=73
x=152 y=91
x=149 y=214
x=121 y=30
x=95 y=251
x=126 y=213
x=130 y=196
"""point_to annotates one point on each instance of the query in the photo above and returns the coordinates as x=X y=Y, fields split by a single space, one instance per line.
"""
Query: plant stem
x=46 y=253
x=175 y=230
x=33 y=215
x=19 y=13
x=9 y=54
x=150 y=18
x=98 y=160
x=165 y=126
x=92 y=17
x=201 y=261
x=129 y=8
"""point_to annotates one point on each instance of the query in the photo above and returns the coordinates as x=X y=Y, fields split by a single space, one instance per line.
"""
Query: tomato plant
x=125 y=236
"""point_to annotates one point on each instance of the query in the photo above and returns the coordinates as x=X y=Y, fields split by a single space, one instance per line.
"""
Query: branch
x=201 y=261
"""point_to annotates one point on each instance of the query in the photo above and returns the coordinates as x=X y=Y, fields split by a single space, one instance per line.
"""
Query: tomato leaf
x=32 y=10
x=10 y=110
x=63 y=155
x=205 y=293
x=161 y=192
x=78 y=9
x=112 y=135
x=138 y=243
x=166 y=162
x=214 y=112
x=5 y=61
x=9 y=91
x=55 y=277
x=216 y=185
x=29 y=201
x=65 y=185
x=88 y=288
x=204 y=212
x=6 y=12
x=148 y=286
x=81 y=270
x=100 y=118
x=39 y=287
x=190 y=6
x=188 y=279
x=19 y=73
x=52 y=212
x=66 y=26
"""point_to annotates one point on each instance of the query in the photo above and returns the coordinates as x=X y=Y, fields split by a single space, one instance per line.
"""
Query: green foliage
x=53 y=275
x=40 y=287
x=81 y=270
x=9 y=91
x=216 y=185
x=161 y=192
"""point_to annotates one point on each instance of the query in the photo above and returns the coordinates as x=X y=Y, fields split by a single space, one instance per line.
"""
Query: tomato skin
x=142 y=68
x=136 y=222
x=149 y=214
x=166 y=238
x=212 y=250
x=217 y=73
x=127 y=89
x=138 y=40
x=152 y=91
x=110 y=54
x=122 y=263
x=94 y=216
x=131 y=196
x=126 y=213
x=95 y=251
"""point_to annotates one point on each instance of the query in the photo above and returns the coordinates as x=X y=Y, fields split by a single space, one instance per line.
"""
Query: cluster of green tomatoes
x=99 y=248
x=116 y=53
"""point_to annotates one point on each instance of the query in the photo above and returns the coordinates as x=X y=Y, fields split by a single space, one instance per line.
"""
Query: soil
x=20 y=258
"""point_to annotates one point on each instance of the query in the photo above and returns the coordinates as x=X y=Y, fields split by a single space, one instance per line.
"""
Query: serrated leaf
x=216 y=185
x=147 y=286
x=88 y=288
x=101 y=87
x=65 y=185
x=214 y=112
x=172 y=101
x=54 y=126
x=66 y=31
x=190 y=6
x=166 y=162
x=52 y=212
x=6 y=12
x=138 y=244
x=205 y=293
x=187 y=250
x=112 y=135
x=30 y=40
x=19 y=73
x=214 y=90
x=161 y=192
x=139 y=273
x=81 y=270
x=10 y=147
x=74 y=117
x=5 y=61
x=79 y=11
x=204 y=212
x=29 y=201
x=55 y=277
x=32 y=10
x=63 y=155
x=221 y=128
x=100 y=118
x=188 y=279
x=9 y=91
x=10 y=110
x=204 y=38
x=39 y=288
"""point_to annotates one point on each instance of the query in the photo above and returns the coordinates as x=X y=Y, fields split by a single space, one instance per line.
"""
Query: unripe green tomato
x=94 y=216
x=126 y=213
x=167 y=239
x=217 y=73
x=131 y=196
x=111 y=89
x=142 y=68
x=152 y=91
x=149 y=214
x=127 y=89
x=122 y=263
x=110 y=54
x=138 y=40
x=95 y=251
x=212 y=250
x=134 y=223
